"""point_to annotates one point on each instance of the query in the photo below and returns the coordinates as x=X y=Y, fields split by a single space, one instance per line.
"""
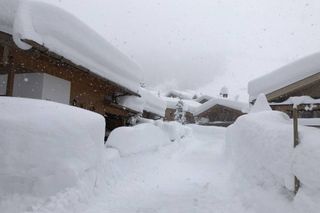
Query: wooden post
x=295 y=143
x=9 y=69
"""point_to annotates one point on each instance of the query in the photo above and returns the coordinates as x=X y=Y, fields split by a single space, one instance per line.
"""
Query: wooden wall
x=221 y=114
x=312 y=90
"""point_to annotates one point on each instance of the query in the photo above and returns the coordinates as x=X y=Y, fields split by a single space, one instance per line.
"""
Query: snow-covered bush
x=46 y=147
x=140 y=138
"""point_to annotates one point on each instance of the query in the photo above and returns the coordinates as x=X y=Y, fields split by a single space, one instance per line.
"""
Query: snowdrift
x=140 y=138
x=46 y=147
x=260 y=145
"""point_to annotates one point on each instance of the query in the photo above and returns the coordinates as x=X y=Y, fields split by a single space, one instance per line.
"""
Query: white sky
x=205 y=44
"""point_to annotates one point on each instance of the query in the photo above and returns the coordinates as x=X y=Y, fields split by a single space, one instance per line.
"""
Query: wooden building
x=189 y=107
x=219 y=112
x=42 y=74
x=298 y=79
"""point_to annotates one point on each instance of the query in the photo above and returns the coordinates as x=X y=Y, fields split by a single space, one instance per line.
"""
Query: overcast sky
x=205 y=44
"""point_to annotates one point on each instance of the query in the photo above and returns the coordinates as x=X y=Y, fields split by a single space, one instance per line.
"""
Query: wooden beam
x=295 y=143
x=10 y=81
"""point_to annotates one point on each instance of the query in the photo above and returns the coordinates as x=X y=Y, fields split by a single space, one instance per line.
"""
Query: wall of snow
x=260 y=145
x=45 y=146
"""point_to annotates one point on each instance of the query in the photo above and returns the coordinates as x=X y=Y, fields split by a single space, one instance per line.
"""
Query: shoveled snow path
x=190 y=176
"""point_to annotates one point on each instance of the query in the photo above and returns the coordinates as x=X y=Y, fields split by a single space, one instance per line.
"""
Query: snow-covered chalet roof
x=65 y=35
x=241 y=106
x=298 y=100
x=188 y=105
x=285 y=76
x=147 y=102
x=181 y=94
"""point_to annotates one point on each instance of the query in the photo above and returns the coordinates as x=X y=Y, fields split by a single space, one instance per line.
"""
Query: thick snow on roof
x=188 y=105
x=285 y=76
x=65 y=35
x=147 y=102
x=181 y=94
x=241 y=106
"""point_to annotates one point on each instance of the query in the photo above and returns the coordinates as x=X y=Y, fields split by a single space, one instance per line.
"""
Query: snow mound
x=140 y=138
x=261 y=146
x=175 y=130
x=46 y=147
x=65 y=35
x=261 y=104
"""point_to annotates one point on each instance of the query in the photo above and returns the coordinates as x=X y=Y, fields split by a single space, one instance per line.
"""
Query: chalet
x=298 y=79
x=149 y=105
x=189 y=106
x=219 y=112
x=47 y=53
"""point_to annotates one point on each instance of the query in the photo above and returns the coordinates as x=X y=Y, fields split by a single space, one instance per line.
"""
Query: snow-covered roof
x=188 y=105
x=203 y=97
x=285 y=76
x=241 y=106
x=181 y=94
x=147 y=102
x=65 y=35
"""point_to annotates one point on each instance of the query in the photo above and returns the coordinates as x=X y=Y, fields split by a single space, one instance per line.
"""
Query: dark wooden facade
x=309 y=86
x=88 y=90
x=170 y=116
x=218 y=115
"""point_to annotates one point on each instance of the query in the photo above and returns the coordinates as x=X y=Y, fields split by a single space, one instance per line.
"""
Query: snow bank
x=285 y=76
x=261 y=145
x=45 y=146
x=175 y=130
x=65 y=35
x=140 y=138
x=306 y=158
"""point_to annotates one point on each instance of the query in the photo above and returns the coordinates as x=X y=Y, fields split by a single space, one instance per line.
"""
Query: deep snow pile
x=140 y=138
x=45 y=147
x=260 y=146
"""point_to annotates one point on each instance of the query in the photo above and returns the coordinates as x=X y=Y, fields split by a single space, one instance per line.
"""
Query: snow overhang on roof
x=147 y=102
x=285 y=76
x=65 y=35
x=240 y=106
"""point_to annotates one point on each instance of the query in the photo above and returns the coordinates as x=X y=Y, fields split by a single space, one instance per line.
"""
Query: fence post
x=295 y=143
